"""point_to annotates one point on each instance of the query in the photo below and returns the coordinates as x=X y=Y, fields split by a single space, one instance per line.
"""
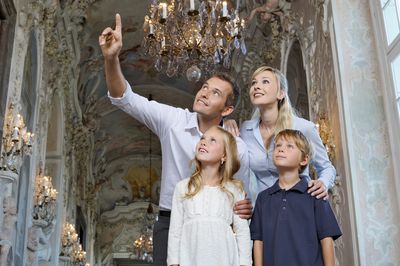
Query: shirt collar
x=300 y=186
x=253 y=124
x=193 y=123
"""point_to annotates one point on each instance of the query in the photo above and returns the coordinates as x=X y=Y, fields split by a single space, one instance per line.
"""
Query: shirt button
x=284 y=199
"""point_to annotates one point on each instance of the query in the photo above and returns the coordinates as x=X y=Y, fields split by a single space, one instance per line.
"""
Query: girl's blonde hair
x=285 y=109
x=226 y=170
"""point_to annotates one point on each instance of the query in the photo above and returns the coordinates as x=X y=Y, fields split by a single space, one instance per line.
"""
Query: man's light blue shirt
x=261 y=162
x=179 y=132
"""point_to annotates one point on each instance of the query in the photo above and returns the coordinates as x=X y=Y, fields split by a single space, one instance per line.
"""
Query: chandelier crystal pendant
x=196 y=36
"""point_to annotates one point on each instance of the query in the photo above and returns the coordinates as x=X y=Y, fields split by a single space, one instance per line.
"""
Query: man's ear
x=227 y=110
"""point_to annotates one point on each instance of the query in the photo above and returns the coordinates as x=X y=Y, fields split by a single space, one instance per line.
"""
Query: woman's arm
x=320 y=160
x=328 y=251
x=258 y=252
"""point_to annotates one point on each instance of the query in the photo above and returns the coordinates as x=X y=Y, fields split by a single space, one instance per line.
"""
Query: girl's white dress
x=200 y=230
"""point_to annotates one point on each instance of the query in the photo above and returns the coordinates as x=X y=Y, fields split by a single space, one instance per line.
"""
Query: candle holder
x=17 y=141
x=45 y=197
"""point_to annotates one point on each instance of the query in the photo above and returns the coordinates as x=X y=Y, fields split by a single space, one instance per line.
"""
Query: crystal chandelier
x=44 y=199
x=196 y=36
x=17 y=142
x=143 y=245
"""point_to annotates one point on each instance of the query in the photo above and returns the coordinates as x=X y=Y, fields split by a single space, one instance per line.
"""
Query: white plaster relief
x=378 y=217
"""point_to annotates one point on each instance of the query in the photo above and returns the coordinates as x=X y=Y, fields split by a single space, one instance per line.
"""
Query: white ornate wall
x=366 y=146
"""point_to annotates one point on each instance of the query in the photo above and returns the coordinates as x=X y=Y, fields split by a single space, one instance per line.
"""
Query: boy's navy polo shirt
x=291 y=224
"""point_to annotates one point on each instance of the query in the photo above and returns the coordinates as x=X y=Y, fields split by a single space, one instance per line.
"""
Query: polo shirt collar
x=300 y=186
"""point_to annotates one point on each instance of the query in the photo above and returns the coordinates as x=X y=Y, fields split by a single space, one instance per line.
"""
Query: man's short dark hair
x=232 y=98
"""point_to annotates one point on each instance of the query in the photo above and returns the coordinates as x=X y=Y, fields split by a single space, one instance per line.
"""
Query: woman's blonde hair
x=285 y=109
x=226 y=169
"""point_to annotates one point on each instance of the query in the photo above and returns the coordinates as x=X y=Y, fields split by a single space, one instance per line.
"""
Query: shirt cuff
x=123 y=99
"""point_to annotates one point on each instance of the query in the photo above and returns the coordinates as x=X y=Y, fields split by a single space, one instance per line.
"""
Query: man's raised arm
x=110 y=42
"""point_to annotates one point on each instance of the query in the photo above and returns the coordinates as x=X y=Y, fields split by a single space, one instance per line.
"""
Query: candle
x=224 y=9
x=15 y=134
x=191 y=8
x=220 y=42
x=163 y=43
x=29 y=139
x=151 y=28
x=164 y=10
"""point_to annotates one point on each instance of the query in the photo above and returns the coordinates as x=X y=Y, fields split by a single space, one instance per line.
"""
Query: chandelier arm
x=180 y=32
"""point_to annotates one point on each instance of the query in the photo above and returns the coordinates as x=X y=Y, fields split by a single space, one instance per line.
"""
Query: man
x=179 y=130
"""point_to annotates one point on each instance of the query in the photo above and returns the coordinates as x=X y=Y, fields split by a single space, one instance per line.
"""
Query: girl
x=203 y=229
x=269 y=94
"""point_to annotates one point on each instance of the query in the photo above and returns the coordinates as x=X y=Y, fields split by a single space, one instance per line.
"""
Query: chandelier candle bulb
x=191 y=7
x=164 y=12
x=224 y=9
x=15 y=135
x=151 y=28
x=163 y=43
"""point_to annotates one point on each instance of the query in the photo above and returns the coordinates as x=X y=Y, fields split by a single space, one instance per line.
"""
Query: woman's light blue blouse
x=262 y=166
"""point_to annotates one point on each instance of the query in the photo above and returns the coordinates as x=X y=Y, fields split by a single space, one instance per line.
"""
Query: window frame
x=386 y=54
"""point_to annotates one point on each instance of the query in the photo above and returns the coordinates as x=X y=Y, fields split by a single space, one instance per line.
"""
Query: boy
x=289 y=226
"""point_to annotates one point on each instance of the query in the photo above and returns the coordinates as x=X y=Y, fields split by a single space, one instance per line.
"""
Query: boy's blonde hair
x=285 y=109
x=226 y=170
x=300 y=141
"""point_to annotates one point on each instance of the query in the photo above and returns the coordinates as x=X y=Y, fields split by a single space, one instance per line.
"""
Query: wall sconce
x=78 y=255
x=17 y=142
x=68 y=238
x=70 y=246
x=44 y=199
x=326 y=135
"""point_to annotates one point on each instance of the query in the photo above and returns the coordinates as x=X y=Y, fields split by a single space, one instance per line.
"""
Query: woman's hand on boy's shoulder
x=243 y=208
x=318 y=189
x=231 y=126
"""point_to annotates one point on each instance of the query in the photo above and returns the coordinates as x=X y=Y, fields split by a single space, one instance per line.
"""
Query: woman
x=269 y=94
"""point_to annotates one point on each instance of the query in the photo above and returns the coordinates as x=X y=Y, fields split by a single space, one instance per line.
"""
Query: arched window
x=390 y=11
x=7 y=25
x=386 y=21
